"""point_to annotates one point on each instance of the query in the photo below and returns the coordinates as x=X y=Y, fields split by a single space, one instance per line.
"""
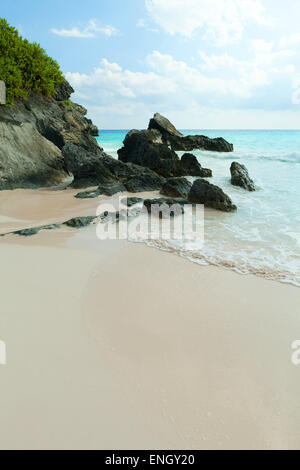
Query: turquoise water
x=263 y=236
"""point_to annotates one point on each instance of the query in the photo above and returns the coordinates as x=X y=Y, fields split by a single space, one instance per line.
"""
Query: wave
x=293 y=157
x=283 y=276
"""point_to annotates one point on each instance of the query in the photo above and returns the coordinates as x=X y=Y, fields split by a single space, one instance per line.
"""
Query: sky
x=205 y=64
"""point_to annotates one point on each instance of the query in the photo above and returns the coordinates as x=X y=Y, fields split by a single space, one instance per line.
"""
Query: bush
x=25 y=66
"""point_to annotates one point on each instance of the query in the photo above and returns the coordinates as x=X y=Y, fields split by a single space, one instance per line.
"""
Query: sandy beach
x=112 y=344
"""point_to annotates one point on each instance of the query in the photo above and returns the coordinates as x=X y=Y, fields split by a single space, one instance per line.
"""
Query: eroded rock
x=240 y=177
x=203 y=192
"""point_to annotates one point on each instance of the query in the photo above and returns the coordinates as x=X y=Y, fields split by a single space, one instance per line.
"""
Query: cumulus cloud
x=90 y=31
x=168 y=84
x=222 y=21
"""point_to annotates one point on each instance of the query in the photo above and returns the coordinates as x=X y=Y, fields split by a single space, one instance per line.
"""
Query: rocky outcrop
x=203 y=192
x=132 y=201
x=176 y=187
x=164 y=126
x=240 y=177
x=191 y=167
x=177 y=141
x=33 y=134
x=165 y=207
x=112 y=176
x=145 y=148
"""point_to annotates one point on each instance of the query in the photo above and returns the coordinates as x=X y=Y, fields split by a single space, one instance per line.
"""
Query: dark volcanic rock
x=145 y=148
x=200 y=142
x=87 y=167
x=111 y=188
x=164 y=126
x=176 y=187
x=79 y=222
x=192 y=167
x=132 y=201
x=112 y=175
x=89 y=194
x=240 y=177
x=28 y=232
x=139 y=184
x=165 y=207
x=171 y=136
x=203 y=192
x=63 y=91
x=32 y=135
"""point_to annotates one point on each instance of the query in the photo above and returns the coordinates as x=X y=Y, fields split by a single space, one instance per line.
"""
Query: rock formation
x=240 y=177
x=146 y=148
x=33 y=134
x=176 y=187
x=203 y=192
x=172 y=137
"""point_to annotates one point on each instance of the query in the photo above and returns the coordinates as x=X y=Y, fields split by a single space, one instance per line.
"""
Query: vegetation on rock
x=25 y=66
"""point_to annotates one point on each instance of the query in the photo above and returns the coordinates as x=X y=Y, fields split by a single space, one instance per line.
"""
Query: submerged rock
x=203 y=192
x=240 y=177
x=176 y=187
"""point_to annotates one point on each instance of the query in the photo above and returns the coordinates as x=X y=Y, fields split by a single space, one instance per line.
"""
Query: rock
x=89 y=194
x=145 y=148
x=200 y=142
x=79 y=222
x=176 y=187
x=87 y=168
x=165 y=207
x=32 y=136
x=203 y=192
x=101 y=169
x=164 y=126
x=192 y=167
x=240 y=177
x=151 y=148
x=171 y=136
x=63 y=91
x=29 y=232
x=114 y=187
x=139 y=184
x=132 y=201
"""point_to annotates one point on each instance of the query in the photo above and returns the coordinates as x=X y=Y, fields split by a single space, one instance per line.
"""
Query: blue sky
x=203 y=63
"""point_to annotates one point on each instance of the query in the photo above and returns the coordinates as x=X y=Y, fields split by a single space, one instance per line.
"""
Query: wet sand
x=114 y=345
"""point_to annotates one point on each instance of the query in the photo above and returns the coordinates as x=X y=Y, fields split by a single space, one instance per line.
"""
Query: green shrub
x=25 y=66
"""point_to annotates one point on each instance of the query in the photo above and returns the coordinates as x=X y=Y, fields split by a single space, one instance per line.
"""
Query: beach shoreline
x=115 y=344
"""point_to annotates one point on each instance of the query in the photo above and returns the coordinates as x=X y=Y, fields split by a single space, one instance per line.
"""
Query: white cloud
x=290 y=41
x=142 y=23
x=90 y=31
x=167 y=85
x=222 y=21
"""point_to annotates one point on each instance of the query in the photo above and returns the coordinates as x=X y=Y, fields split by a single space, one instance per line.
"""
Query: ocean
x=263 y=236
